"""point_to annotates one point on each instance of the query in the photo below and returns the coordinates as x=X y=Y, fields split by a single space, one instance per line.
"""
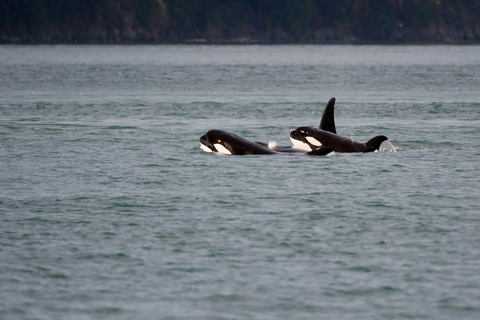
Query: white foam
x=272 y=144
x=387 y=146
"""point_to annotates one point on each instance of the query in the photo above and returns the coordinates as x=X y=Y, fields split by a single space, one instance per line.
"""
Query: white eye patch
x=297 y=144
x=205 y=148
x=221 y=149
x=314 y=141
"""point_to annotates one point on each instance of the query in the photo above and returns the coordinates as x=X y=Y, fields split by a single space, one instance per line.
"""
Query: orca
x=231 y=144
x=309 y=139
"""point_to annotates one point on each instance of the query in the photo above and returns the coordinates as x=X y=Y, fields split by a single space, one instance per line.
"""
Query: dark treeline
x=244 y=21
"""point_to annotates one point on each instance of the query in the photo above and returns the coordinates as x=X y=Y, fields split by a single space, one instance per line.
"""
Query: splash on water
x=387 y=146
x=272 y=144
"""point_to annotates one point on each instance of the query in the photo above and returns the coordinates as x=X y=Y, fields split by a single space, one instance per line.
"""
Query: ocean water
x=110 y=210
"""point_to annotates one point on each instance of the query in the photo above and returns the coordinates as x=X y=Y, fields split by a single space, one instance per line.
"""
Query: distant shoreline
x=240 y=22
x=236 y=41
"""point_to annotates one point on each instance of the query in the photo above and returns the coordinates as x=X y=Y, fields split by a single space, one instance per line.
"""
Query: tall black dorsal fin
x=327 y=123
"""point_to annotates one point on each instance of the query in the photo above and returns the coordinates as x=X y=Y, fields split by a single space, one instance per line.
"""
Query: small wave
x=120 y=127
x=226 y=298
x=107 y=310
x=95 y=256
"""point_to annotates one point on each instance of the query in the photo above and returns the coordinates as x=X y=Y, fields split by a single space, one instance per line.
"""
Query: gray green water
x=110 y=210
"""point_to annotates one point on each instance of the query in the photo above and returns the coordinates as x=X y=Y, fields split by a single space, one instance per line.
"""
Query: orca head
x=213 y=141
x=303 y=139
x=205 y=146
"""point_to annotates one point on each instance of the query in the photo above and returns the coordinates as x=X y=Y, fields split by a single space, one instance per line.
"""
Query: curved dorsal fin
x=327 y=123
x=373 y=144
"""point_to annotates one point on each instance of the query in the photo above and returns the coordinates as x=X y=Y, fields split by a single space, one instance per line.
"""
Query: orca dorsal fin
x=374 y=143
x=327 y=123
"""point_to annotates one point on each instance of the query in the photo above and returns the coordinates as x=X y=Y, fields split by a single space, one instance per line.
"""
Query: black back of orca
x=327 y=123
x=316 y=138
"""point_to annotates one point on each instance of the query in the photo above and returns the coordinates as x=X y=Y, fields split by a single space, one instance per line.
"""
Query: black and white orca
x=231 y=144
x=309 y=138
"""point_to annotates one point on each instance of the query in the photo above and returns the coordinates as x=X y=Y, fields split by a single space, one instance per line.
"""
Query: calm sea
x=110 y=210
